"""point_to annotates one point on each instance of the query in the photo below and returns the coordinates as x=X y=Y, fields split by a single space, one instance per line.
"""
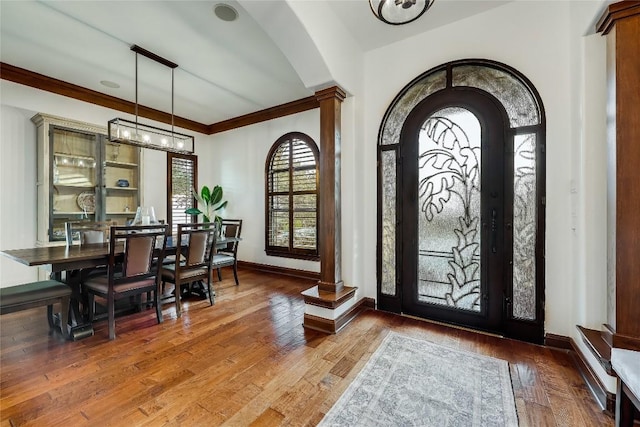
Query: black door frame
x=428 y=83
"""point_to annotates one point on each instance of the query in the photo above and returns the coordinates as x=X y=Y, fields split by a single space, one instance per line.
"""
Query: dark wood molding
x=282 y=110
x=614 y=12
x=557 y=341
x=326 y=299
x=60 y=87
x=594 y=340
x=330 y=326
x=329 y=206
x=605 y=399
x=284 y=271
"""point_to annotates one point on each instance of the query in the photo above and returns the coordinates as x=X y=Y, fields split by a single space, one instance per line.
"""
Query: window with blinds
x=181 y=179
x=292 y=197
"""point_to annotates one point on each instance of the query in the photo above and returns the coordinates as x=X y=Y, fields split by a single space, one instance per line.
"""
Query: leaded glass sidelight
x=524 y=227
x=388 y=270
x=449 y=203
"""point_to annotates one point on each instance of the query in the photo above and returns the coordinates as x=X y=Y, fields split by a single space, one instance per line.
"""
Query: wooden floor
x=245 y=361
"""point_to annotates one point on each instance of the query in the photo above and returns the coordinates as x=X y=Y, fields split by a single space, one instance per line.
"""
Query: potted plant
x=211 y=201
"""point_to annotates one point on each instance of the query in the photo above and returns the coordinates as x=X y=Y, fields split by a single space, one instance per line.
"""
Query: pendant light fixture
x=398 y=12
x=133 y=133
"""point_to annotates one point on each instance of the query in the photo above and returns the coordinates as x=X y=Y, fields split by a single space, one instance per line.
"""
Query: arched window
x=291 y=197
x=461 y=208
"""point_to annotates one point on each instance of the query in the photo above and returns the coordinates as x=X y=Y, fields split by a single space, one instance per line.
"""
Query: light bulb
x=180 y=144
x=126 y=134
x=146 y=138
x=164 y=141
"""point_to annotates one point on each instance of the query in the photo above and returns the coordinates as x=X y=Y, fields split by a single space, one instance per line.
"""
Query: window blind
x=182 y=179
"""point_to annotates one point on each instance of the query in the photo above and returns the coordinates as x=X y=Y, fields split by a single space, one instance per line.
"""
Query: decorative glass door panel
x=75 y=158
x=449 y=186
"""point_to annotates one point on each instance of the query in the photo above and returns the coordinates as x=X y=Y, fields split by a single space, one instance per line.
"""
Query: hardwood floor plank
x=247 y=360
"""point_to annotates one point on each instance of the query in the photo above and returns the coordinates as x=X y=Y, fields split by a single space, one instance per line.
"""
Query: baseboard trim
x=330 y=326
x=605 y=399
x=557 y=341
x=302 y=274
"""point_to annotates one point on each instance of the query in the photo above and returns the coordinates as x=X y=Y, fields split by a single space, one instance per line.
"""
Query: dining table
x=70 y=260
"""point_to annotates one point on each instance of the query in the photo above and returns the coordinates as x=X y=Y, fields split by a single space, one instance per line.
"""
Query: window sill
x=293 y=255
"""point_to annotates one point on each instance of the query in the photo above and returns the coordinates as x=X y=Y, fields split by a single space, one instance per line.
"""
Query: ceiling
x=226 y=69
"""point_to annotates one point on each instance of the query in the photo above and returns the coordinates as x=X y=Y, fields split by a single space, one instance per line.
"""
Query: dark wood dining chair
x=87 y=232
x=131 y=271
x=228 y=255
x=195 y=242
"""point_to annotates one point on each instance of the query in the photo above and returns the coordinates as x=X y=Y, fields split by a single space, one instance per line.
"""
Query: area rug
x=411 y=382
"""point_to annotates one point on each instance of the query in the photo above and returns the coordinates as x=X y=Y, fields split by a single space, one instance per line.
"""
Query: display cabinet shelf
x=121 y=164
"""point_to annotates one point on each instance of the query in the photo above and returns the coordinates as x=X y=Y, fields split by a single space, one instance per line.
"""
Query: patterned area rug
x=410 y=382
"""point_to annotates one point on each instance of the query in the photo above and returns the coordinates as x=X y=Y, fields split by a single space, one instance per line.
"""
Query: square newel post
x=330 y=305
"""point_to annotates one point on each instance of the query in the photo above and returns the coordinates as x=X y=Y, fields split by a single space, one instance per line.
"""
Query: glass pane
x=388 y=284
x=182 y=183
x=302 y=154
x=419 y=91
x=524 y=227
x=279 y=181
x=304 y=180
x=279 y=228
x=514 y=96
x=449 y=209
x=74 y=162
x=304 y=229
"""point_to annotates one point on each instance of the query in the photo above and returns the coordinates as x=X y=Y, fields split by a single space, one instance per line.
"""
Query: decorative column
x=329 y=228
x=330 y=305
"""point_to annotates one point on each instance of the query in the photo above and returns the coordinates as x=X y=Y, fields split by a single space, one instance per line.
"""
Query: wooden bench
x=37 y=294
x=626 y=363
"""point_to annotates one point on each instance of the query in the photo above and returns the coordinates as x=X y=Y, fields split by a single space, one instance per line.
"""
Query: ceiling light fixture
x=398 y=12
x=225 y=12
x=133 y=133
x=108 y=83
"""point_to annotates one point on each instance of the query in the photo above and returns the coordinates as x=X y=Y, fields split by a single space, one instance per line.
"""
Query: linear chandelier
x=133 y=133
x=398 y=12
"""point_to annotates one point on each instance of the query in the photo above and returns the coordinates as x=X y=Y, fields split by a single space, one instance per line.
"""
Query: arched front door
x=465 y=178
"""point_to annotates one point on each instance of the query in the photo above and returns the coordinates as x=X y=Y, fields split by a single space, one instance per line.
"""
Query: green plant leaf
x=222 y=206
x=205 y=193
x=216 y=196
x=193 y=211
x=197 y=196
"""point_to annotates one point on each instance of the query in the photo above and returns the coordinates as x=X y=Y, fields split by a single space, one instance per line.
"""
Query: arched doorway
x=461 y=206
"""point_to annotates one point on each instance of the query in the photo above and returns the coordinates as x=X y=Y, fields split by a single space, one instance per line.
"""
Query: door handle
x=494 y=230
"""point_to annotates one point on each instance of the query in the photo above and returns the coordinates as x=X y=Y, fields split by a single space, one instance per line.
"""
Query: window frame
x=291 y=251
x=170 y=157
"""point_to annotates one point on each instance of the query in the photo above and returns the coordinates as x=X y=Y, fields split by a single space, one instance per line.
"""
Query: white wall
x=18 y=184
x=236 y=162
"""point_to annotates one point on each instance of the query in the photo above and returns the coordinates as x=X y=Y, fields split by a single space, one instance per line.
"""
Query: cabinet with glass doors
x=82 y=176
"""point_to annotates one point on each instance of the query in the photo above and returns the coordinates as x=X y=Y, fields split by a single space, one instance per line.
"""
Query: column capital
x=333 y=92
